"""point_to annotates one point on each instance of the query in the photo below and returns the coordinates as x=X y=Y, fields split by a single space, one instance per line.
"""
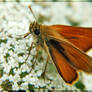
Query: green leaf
x=31 y=87
x=80 y=85
x=6 y=57
x=7 y=85
x=20 y=82
x=1 y=72
x=21 y=54
x=12 y=72
x=23 y=74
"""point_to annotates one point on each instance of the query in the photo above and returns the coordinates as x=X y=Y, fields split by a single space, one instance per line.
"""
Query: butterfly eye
x=37 y=31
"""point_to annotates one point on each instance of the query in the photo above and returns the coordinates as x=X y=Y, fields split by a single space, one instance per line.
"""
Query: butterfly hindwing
x=73 y=56
x=67 y=72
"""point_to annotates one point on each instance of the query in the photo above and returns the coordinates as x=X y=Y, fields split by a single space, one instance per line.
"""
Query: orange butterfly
x=66 y=45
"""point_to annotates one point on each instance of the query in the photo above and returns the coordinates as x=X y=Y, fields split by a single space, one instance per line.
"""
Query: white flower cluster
x=14 y=23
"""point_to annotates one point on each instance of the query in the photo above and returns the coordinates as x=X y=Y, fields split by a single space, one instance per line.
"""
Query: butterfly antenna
x=32 y=12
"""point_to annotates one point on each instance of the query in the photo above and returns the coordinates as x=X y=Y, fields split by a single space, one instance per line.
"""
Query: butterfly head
x=34 y=28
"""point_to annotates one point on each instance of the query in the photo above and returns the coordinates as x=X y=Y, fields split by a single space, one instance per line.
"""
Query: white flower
x=5 y=76
x=24 y=68
x=17 y=78
x=30 y=79
x=17 y=71
x=12 y=62
x=15 y=86
x=24 y=86
x=39 y=73
x=11 y=78
x=7 y=68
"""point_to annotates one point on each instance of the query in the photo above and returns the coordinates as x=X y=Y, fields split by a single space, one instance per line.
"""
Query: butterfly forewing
x=79 y=36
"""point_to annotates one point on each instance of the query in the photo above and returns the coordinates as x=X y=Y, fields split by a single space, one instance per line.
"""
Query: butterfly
x=66 y=46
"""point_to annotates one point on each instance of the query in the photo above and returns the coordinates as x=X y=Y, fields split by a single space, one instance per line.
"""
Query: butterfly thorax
x=40 y=32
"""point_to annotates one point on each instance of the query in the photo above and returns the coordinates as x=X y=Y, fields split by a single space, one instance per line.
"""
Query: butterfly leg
x=48 y=58
x=29 y=52
x=36 y=56
x=43 y=74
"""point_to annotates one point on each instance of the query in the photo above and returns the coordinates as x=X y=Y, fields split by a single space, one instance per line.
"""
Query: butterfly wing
x=67 y=72
x=66 y=46
x=73 y=56
x=79 y=36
